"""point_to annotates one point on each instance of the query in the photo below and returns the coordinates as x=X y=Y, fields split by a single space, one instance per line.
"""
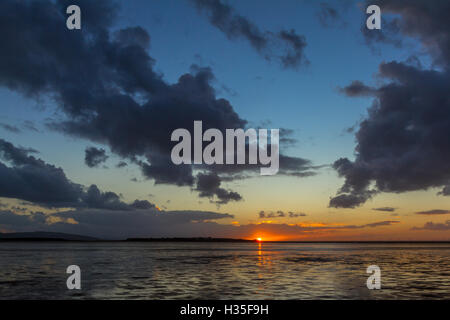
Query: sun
x=259 y=239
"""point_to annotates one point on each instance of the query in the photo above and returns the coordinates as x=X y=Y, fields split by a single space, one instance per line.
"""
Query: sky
x=364 y=117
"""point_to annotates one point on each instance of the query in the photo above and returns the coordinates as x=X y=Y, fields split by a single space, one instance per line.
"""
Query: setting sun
x=259 y=239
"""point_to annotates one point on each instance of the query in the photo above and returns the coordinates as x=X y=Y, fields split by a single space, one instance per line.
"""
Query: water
x=127 y=270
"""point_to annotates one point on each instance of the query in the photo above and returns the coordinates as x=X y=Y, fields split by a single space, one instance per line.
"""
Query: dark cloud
x=209 y=186
x=108 y=92
x=134 y=36
x=403 y=144
x=286 y=45
x=351 y=200
x=271 y=214
x=349 y=130
x=10 y=128
x=358 y=89
x=33 y=180
x=425 y=20
x=296 y=214
x=434 y=212
x=121 y=164
x=295 y=55
x=289 y=166
x=434 y=226
x=163 y=171
x=385 y=209
x=280 y=214
x=380 y=224
x=142 y=205
x=16 y=155
x=93 y=157
x=94 y=198
x=109 y=224
x=286 y=137
x=21 y=221
x=297 y=167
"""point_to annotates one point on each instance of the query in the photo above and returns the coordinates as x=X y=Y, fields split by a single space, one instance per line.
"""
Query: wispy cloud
x=434 y=212
x=385 y=209
x=10 y=128
x=434 y=226
x=286 y=46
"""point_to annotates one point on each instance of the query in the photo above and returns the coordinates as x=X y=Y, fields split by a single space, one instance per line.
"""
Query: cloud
x=121 y=164
x=388 y=34
x=109 y=224
x=94 y=157
x=286 y=137
x=143 y=205
x=328 y=15
x=107 y=90
x=94 y=198
x=286 y=46
x=209 y=186
x=445 y=191
x=352 y=200
x=29 y=125
x=423 y=20
x=434 y=226
x=385 y=209
x=33 y=180
x=434 y=212
x=402 y=145
x=289 y=166
x=10 y=128
x=380 y=224
x=358 y=89
x=331 y=14
x=296 y=214
x=280 y=214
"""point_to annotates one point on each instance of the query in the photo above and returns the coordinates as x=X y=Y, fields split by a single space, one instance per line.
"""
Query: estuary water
x=174 y=270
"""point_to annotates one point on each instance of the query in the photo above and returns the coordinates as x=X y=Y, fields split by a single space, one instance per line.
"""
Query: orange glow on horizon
x=263 y=237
